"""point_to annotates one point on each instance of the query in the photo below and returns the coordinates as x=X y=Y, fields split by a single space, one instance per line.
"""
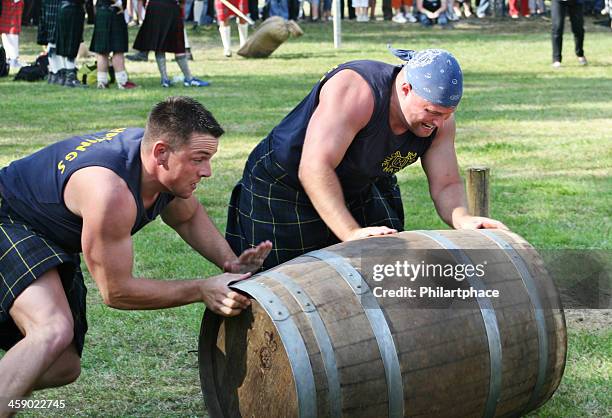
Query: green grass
x=547 y=136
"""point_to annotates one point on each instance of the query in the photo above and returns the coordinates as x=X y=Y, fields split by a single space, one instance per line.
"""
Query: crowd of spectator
x=162 y=26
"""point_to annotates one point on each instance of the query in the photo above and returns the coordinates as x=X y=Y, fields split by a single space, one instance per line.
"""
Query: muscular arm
x=445 y=184
x=108 y=215
x=345 y=106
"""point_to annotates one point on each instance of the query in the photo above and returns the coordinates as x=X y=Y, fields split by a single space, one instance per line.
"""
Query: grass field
x=546 y=134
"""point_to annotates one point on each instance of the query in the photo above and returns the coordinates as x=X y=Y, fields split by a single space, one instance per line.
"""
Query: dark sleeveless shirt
x=33 y=186
x=375 y=152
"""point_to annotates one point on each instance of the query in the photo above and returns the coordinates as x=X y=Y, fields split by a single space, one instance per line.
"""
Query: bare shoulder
x=99 y=195
x=349 y=93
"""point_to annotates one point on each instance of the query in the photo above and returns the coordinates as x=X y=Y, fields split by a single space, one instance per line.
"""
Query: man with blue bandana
x=326 y=173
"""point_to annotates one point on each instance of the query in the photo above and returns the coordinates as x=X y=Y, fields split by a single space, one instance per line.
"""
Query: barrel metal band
x=378 y=322
x=292 y=341
x=536 y=301
x=489 y=319
x=321 y=336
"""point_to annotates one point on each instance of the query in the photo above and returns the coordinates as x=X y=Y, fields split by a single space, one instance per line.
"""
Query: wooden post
x=478 y=191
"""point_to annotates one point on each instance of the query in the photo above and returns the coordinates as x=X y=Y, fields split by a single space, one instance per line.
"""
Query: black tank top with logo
x=375 y=152
x=33 y=186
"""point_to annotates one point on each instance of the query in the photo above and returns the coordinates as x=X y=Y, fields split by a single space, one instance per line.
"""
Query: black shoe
x=60 y=77
x=139 y=56
x=52 y=78
x=71 y=79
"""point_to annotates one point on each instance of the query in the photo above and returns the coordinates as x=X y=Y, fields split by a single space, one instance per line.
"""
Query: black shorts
x=25 y=255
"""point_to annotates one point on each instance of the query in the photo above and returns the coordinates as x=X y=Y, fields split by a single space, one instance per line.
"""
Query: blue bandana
x=434 y=74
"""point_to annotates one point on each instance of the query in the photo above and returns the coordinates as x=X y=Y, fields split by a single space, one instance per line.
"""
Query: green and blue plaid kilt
x=69 y=31
x=264 y=206
x=24 y=256
x=48 y=22
x=110 y=30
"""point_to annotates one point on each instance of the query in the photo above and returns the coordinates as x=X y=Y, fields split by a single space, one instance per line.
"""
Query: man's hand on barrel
x=478 y=222
x=370 y=231
x=250 y=260
x=222 y=300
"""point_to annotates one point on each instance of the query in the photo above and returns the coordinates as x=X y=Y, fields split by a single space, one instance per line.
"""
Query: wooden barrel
x=319 y=340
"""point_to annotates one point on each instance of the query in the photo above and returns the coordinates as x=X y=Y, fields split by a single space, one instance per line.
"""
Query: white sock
x=102 y=77
x=122 y=77
x=69 y=64
x=186 y=38
x=11 y=45
x=226 y=33
x=55 y=62
x=243 y=33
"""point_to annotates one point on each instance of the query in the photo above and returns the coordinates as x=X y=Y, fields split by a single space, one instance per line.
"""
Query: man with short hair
x=89 y=194
x=326 y=173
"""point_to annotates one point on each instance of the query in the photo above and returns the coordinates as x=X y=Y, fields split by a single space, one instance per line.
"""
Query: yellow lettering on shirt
x=85 y=145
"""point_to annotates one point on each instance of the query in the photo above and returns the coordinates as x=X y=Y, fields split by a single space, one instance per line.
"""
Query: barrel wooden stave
x=444 y=354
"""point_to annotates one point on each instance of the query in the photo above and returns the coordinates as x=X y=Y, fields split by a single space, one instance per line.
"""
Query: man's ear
x=161 y=153
x=406 y=87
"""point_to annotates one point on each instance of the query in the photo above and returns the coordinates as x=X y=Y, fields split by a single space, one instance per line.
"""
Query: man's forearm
x=450 y=203
x=325 y=192
x=139 y=293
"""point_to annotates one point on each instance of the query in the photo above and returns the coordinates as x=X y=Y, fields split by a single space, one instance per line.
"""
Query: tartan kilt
x=70 y=23
x=47 y=23
x=10 y=19
x=162 y=29
x=223 y=12
x=110 y=31
x=24 y=256
x=265 y=206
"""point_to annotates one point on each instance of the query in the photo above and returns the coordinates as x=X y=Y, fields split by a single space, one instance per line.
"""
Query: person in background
x=403 y=11
x=162 y=31
x=432 y=12
x=361 y=10
x=110 y=36
x=10 y=28
x=69 y=35
x=513 y=8
x=559 y=9
x=537 y=7
x=225 y=30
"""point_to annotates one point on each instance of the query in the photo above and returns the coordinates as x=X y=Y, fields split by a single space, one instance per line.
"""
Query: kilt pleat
x=70 y=23
x=265 y=206
x=110 y=31
x=47 y=24
x=162 y=29
x=10 y=19
x=25 y=255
